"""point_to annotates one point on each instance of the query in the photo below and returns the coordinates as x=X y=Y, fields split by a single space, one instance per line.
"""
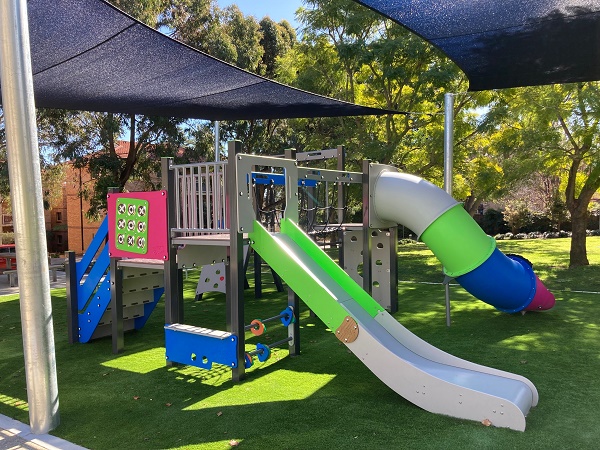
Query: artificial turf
x=325 y=398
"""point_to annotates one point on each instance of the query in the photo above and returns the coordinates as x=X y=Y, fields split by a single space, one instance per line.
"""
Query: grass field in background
x=325 y=398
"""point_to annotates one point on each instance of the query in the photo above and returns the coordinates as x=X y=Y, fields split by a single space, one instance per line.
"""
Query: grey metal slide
x=421 y=373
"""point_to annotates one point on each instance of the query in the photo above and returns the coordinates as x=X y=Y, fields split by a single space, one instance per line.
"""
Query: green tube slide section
x=293 y=255
x=458 y=242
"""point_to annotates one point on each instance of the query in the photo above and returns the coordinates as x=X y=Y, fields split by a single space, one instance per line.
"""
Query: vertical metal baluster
x=192 y=203
x=224 y=198
x=183 y=198
x=177 y=198
x=204 y=198
x=219 y=203
x=211 y=207
x=201 y=198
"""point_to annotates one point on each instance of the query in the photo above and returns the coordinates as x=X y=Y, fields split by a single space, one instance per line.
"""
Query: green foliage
x=277 y=39
x=493 y=222
x=555 y=128
x=147 y=11
x=517 y=215
x=197 y=23
x=7 y=238
x=558 y=210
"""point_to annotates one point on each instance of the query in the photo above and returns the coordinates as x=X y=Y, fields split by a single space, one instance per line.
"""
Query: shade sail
x=507 y=43
x=88 y=55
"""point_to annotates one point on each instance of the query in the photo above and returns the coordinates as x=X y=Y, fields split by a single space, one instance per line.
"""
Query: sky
x=277 y=10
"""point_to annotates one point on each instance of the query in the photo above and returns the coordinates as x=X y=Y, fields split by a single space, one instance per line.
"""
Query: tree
x=276 y=40
x=517 y=215
x=556 y=128
x=480 y=180
x=245 y=36
x=349 y=52
x=147 y=11
x=89 y=140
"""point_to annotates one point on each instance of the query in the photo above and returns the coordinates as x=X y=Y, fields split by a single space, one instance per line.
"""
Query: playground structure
x=211 y=215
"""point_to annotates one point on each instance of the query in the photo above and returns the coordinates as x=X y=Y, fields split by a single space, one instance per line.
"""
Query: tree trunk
x=578 y=255
x=472 y=204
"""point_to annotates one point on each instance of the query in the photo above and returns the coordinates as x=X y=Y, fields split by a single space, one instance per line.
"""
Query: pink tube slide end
x=543 y=299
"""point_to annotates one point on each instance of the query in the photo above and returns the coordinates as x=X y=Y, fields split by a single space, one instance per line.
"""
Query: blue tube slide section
x=508 y=283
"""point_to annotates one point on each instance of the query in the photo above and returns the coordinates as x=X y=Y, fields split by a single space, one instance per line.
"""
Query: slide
x=426 y=376
x=506 y=282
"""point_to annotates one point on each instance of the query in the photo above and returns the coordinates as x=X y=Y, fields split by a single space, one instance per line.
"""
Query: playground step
x=200 y=347
x=218 y=334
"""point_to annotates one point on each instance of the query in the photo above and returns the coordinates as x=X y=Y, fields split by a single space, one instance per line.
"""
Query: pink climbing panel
x=137 y=225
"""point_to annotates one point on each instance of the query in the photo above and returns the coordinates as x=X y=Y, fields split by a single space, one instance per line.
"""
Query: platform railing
x=200 y=198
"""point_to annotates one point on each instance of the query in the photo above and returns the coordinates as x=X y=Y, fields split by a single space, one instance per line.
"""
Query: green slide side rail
x=292 y=264
x=356 y=292
x=458 y=242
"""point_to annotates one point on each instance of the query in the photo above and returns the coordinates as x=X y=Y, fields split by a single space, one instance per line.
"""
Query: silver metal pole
x=448 y=141
x=217 y=184
x=28 y=212
x=217 y=141
x=448 y=168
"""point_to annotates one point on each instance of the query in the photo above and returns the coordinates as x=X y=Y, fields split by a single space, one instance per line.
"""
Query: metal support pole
x=341 y=166
x=366 y=272
x=217 y=142
x=448 y=141
x=235 y=264
x=116 y=306
x=293 y=298
x=28 y=212
x=393 y=256
x=72 y=299
x=116 y=299
x=173 y=287
x=448 y=167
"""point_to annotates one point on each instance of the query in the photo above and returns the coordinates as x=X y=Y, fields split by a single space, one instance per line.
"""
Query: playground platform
x=15 y=435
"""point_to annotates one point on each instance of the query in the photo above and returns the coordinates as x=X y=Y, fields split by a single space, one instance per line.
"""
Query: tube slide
x=470 y=256
x=423 y=374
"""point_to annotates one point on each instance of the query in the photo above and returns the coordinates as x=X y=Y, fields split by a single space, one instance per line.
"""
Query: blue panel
x=85 y=290
x=277 y=179
x=99 y=238
x=200 y=350
x=507 y=283
x=88 y=320
x=139 y=322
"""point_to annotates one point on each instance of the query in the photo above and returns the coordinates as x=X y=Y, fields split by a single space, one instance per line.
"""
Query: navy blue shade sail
x=88 y=55
x=507 y=43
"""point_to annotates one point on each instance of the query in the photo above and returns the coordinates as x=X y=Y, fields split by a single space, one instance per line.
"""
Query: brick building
x=56 y=224
x=55 y=220
x=80 y=230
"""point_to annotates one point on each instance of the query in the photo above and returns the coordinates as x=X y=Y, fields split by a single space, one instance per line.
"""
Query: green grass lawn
x=325 y=398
